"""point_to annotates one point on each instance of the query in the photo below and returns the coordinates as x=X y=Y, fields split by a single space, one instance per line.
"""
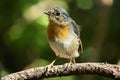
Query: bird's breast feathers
x=60 y=31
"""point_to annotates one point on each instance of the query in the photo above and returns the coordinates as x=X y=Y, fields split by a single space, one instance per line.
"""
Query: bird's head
x=57 y=14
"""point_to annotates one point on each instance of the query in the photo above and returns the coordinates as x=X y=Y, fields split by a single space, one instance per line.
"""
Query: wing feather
x=77 y=31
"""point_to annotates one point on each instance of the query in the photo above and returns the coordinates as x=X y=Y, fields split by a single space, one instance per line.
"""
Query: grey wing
x=77 y=31
x=75 y=28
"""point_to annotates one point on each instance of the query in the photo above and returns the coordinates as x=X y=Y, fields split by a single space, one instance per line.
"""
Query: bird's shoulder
x=74 y=26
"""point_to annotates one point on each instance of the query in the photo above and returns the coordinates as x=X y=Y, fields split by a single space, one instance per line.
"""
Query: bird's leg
x=72 y=61
x=52 y=63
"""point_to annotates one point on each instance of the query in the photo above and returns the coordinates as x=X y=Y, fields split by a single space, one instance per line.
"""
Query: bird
x=63 y=34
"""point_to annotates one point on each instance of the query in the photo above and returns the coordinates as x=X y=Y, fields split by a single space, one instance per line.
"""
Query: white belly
x=66 y=48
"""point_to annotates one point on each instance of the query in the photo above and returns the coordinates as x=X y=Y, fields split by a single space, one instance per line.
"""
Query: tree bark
x=103 y=69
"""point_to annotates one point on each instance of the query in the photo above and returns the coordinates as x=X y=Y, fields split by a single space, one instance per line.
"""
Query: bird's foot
x=51 y=64
x=71 y=62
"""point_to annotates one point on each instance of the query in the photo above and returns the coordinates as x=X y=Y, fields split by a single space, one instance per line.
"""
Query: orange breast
x=58 y=31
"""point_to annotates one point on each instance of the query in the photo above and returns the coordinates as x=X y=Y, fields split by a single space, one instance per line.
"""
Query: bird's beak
x=47 y=12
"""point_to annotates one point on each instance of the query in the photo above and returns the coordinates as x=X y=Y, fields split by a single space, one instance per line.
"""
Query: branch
x=67 y=69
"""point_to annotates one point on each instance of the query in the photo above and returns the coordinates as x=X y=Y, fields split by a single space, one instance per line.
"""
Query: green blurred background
x=23 y=40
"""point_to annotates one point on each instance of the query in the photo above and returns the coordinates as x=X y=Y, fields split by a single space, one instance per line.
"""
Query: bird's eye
x=57 y=13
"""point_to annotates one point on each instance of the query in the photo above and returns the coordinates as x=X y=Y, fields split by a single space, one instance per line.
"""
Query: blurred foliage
x=23 y=39
x=84 y=4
